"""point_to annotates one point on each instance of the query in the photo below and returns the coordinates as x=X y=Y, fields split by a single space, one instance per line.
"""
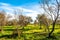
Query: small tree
x=8 y=21
x=43 y=20
x=24 y=20
x=36 y=23
x=39 y=21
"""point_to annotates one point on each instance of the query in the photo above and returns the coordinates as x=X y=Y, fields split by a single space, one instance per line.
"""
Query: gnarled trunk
x=53 y=26
x=52 y=30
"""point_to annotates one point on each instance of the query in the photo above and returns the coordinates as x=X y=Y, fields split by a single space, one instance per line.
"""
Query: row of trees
x=21 y=21
x=41 y=20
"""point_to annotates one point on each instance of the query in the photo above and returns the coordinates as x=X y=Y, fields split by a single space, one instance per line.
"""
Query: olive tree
x=24 y=20
x=43 y=20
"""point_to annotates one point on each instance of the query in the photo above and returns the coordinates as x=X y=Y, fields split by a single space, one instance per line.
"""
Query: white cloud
x=4 y=4
x=33 y=14
x=28 y=12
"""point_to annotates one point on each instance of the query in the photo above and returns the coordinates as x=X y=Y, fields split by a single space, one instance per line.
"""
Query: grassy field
x=31 y=32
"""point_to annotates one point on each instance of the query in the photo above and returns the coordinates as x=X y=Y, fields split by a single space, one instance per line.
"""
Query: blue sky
x=27 y=7
x=30 y=7
x=20 y=2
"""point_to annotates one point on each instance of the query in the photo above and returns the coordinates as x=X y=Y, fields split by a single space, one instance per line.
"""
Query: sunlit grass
x=29 y=31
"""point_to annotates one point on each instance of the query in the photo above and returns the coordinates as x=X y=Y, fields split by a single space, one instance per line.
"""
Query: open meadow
x=29 y=19
x=30 y=32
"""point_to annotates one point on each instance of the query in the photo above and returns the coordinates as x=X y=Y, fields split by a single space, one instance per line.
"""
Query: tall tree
x=15 y=23
x=52 y=8
x=2 y=20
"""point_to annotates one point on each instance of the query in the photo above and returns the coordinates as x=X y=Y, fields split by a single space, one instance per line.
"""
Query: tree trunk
x=48 y=29
x=40 y=26
x=53 y=25
x=18 y=32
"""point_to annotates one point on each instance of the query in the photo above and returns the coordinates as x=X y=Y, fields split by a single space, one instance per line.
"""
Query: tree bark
x=52 y=29
x=53 y=25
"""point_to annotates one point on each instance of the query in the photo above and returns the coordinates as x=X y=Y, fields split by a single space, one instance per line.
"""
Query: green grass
x=31 y=32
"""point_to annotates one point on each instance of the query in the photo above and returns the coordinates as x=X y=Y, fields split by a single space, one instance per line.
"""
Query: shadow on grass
x=9 y=36
x=33 y=36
